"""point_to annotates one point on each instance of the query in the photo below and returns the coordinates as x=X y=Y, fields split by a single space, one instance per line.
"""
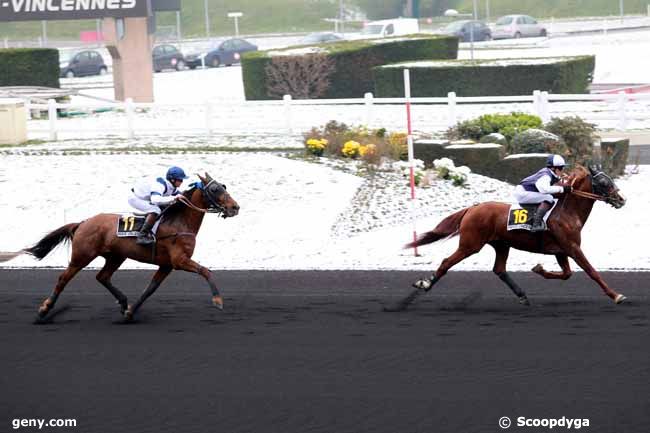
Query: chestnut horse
x=485 y=223
x=176 y=239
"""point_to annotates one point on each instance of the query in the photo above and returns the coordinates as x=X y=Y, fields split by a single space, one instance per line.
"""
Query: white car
x=517 y=26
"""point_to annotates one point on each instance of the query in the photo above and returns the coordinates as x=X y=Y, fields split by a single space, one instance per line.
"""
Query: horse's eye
x=224 y=186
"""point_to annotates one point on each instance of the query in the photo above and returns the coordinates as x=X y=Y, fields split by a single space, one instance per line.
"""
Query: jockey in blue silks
x=149 y=194
x=540 y=187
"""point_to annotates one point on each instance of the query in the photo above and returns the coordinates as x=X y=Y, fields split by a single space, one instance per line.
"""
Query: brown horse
x=485 y=223
x=176 y=239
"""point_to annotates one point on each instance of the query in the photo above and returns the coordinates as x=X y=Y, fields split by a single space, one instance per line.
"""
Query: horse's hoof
x=619 y=298
x=538 y=268
x=217 y=301
x=45 y=307
x=123 y=306
x=128 y=314
x=523 y=300
x=423 y=284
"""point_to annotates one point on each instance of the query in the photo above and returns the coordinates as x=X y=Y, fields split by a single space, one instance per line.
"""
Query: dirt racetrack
x=312 y=352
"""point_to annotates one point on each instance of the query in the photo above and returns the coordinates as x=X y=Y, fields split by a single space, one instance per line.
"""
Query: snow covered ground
x=299 y=214
x=296 y=214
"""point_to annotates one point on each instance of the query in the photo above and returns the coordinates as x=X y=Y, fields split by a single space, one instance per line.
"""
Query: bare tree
x=302 y=77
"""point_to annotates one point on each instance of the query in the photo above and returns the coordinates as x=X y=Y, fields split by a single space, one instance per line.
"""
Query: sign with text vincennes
x=36 y=10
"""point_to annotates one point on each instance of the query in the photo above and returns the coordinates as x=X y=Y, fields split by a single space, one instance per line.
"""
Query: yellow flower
x=350 y=149
x=316 y=146
x=368 y=150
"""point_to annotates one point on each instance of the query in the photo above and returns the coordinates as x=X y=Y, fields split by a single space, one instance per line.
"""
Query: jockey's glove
x=567 y=189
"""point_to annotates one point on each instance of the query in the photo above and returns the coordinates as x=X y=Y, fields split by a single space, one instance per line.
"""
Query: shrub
x=578 y=136
x=537 y=141
x=371 y=145
x=487 y=77
x=353 y=61
x=302 y=77
x=29 y=67
x=506 y=124
x=446 y=169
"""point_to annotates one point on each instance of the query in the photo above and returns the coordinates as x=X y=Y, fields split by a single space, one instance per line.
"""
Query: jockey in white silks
x=150 y=194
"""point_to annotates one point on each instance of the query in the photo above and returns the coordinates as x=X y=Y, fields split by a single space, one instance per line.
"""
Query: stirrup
x=541 y=228
x=146 y=239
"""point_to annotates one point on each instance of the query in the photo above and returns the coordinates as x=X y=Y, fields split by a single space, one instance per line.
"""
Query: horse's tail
x=43 y=247
x=447 y=228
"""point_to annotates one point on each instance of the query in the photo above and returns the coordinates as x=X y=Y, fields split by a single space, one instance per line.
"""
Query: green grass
x=554 y=8
x=260 y=16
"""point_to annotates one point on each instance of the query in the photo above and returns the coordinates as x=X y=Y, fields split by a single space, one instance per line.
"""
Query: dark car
x=167 y=57
x=463 y=30
x=81 y=64
x=320 y=38
x=226 y=53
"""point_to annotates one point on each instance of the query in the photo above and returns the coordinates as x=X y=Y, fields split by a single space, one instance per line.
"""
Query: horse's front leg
x=157 y=279
x=189 y=265
x=563 y=261
x=576 y=254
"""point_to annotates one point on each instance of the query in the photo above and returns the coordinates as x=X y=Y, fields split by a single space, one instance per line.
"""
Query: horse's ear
x=203 y=180
x=207 y=177
x=593 y=169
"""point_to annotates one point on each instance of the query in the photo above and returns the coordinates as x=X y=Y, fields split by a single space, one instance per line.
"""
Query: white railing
x=294 y=116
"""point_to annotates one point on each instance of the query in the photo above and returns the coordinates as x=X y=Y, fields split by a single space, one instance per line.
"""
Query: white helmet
x=555 y=161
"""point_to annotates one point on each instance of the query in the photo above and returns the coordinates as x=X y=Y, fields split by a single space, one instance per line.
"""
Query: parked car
x=463 y=30
x=81 y=63
x=320 y=38
x=226 y=53
x=167 y=57
x=517 y=26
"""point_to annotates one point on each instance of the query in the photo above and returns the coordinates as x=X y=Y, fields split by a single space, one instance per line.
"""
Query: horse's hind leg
x=563 y=261
x=499 y=269
x=79 y=260
x=464 y=250
x=63 y=280
x=157 y=279
x=104 y=277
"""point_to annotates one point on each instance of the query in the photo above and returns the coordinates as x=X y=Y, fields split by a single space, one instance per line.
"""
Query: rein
x=588 y=195
x=191 y=205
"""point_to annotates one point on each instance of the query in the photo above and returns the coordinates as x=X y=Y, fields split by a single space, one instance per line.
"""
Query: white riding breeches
x=143 y=205
x=530 y=197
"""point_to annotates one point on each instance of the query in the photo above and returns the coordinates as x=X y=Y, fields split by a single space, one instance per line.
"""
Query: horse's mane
x=174 y=211
x=578 y=173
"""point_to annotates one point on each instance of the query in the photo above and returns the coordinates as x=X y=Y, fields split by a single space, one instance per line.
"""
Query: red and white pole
x=409 y=141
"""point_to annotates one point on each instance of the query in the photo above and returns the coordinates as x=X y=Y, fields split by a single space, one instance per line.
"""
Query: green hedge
x=480 y=158
x=354 y=61
x=514 y=168
x=29 y=67
x=495 y=77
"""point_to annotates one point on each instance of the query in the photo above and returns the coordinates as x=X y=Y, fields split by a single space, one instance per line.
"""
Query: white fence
x=289 y=117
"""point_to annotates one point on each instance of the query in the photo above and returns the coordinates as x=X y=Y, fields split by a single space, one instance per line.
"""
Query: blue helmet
x=175 y=173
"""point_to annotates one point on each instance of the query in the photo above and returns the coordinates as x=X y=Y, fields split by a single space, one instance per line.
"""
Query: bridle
x=214 y=206
x=590 y=195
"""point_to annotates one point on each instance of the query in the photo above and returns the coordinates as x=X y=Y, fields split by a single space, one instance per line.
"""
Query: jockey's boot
x=145 y=237
x=538 y=218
